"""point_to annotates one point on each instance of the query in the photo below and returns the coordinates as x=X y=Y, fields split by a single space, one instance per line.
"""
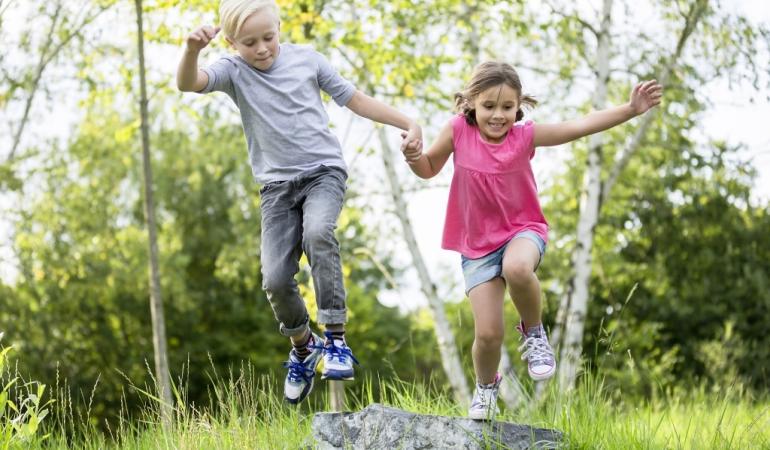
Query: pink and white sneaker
x=537 y=352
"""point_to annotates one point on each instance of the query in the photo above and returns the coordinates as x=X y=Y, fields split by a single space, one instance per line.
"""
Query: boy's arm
x=644 y=96
x=188 y=77
x=375 y=110
x=430 y=163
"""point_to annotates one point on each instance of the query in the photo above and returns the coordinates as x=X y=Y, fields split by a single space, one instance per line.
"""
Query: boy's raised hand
x=645 y=96
x=201 y=37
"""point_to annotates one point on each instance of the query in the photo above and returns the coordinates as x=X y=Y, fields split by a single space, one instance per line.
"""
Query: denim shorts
x=481 y=270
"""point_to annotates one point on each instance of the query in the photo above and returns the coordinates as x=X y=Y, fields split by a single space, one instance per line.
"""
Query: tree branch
x=691 y=22
x=41 y=65
x=575 y=17
x=47 y=55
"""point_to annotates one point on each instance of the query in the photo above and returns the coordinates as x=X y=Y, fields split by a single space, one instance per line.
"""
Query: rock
x=382 y=427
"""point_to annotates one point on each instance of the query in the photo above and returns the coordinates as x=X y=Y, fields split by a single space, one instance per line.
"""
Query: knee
x=517 y=273
x=276 y=282
x=489 y=337
x=318 y=236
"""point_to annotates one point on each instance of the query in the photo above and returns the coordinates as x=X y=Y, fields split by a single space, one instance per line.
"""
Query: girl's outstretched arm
x=429 y=163
x=644 y=96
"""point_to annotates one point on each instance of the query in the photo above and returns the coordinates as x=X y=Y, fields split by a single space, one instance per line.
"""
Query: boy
x=299 y=163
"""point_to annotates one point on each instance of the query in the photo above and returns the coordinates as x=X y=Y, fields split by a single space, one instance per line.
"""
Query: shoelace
x=486 y=394
x=483 y=398
x=341 y=354
x=298 y=371
x=538 y=350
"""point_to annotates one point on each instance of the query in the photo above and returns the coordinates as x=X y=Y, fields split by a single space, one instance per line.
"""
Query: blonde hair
x=232 y=13
x=487 y=75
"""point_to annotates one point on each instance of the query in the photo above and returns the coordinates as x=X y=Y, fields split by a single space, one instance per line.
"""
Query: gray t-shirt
x=286 y=125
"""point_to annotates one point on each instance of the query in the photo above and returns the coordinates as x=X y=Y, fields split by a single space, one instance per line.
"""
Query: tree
x=156 y=301
x=720 y=33
x=66 y=24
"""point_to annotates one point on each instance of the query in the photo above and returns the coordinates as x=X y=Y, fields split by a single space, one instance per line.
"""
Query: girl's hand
x=411 y=150
x=411 y=147
x=200 y=38
x=645 y=95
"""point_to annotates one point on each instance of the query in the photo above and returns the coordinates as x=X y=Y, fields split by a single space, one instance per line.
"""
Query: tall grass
x=22 y=406
x=246 y=413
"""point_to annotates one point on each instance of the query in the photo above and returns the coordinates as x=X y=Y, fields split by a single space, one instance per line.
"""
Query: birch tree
x=601 y=52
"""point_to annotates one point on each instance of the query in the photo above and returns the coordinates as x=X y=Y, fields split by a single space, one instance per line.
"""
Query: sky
x=734 y=118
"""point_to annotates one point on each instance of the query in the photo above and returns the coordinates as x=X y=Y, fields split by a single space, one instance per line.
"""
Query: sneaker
x=484 y=403
x=541 y=361
x=338 y=359
x=299 y=380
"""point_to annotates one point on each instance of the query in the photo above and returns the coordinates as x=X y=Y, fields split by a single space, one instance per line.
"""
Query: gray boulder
x=382 y=427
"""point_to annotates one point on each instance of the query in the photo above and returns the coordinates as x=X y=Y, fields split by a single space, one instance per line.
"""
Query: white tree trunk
x=156 y=301
x=450 y=359
x=596 y=193
x=572 y=346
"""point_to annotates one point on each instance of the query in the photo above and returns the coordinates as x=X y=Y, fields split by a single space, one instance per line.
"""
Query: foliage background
x=679 y=290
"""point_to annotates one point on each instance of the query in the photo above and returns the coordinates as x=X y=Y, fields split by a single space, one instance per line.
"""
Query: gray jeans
x=300 y=215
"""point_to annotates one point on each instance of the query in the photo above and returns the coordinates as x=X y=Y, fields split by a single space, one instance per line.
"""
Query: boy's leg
x=280 y=253
x=322 y=206
x=281 y=234
x=324 y=194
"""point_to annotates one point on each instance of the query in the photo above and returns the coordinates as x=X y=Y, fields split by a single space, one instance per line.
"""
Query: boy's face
x=496 y=110
x=257 y=40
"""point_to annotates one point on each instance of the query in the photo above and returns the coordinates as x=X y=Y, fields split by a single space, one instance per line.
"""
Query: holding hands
x=645 y=95
x=411 y=146
x=200 y=38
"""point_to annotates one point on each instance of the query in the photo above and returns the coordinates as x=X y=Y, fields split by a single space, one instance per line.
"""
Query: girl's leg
x=487 y=305
x=519 y=262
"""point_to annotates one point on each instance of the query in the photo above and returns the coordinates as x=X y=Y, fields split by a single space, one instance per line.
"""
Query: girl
x=493 y=216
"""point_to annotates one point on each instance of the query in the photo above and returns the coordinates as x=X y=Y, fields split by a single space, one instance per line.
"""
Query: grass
x=250 y=414
x=692 y=419
x=246 y=413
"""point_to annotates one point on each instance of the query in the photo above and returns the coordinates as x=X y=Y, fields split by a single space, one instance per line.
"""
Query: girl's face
x=257 y=40
x=496 y=110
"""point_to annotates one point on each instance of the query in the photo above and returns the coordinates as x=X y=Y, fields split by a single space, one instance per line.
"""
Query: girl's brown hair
x=487 y=75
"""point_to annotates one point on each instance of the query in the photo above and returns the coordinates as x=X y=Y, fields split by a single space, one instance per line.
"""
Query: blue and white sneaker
x=299 y=380
x=338 y=359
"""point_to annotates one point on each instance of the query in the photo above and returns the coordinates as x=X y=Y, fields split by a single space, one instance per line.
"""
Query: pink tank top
x=493 y=195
